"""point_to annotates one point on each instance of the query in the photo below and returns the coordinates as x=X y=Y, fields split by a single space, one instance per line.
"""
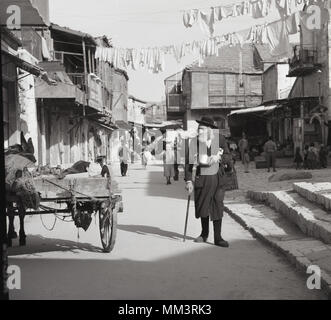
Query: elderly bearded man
x=208 y=196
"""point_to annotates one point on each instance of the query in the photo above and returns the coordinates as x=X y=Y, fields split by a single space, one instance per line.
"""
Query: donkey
x=20 y=189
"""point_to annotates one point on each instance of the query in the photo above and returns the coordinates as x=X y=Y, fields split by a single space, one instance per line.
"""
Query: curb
x=301 y=263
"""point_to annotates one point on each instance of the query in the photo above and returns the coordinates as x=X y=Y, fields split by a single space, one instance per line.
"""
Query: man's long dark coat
x=209 y=190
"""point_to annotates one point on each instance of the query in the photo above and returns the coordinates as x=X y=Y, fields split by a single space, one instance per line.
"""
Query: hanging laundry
x=45 y=51
x=257 y=9
x=219 y=13
x=243 y=36
x=190 y=17
x=266 y=7
x=246 y=8
x=207 y=22
x=278 y=38
x=292 y=24
x=186 y=19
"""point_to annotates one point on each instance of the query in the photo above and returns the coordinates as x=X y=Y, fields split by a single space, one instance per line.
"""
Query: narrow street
x=150 y=260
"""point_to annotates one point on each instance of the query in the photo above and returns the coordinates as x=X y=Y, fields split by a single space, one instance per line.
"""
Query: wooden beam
x=85 y=73
x=89 y=61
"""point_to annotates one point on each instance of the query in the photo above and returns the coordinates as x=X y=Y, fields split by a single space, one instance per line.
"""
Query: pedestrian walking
x=168 y=162
x=243 y=145
x=270 y=149
x=312 y=157
x=144 y=159
x=176 y=162
x=323 y=154
x=207 y=193
x=124 y=156
x=246 y=160
x=298 y=160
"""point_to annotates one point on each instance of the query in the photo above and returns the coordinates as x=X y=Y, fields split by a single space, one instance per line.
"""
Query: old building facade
x=70 y=112
x=231 y=81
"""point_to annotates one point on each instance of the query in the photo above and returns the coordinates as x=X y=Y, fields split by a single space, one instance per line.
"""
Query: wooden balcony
x=304 y=62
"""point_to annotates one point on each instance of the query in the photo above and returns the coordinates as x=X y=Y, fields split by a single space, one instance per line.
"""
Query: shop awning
x=165 y=125
x=24 y=65
x=254 y=110
x=123 y=125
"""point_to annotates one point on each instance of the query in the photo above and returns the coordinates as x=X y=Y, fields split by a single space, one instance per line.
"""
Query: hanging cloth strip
x=276 y=34
x=278 y=38
x=254 y=8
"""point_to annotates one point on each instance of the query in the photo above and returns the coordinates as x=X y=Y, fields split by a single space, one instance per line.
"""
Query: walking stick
x=187 y=213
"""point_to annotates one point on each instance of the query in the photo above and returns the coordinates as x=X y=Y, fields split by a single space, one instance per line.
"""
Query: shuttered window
x=231 y=84
x=217 y=89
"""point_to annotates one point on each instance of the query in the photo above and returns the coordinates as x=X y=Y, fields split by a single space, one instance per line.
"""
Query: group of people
x=312 y=158
x=269 y=148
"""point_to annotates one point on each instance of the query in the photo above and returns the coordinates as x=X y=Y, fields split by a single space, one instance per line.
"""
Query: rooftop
x=228 y=59
x=77 y=35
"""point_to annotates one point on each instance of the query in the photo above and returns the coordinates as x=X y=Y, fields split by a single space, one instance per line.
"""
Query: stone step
x=274 y=229
x=319 y=193
x=311 y=219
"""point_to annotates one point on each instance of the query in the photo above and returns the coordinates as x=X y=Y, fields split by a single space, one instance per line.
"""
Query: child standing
x=298 y=158
x=246 y=160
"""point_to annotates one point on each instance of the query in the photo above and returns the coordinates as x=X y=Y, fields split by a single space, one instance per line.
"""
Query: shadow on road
x=207 y=272
x=39 y=244
x=147 y=230
x=159 y=188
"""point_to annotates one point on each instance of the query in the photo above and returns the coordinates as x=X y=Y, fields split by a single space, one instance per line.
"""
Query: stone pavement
x=291 y=216
x=257 y=179
x=302 y=251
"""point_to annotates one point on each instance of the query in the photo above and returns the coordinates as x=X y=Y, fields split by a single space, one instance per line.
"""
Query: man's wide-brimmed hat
x=208 y=122
x=102 y=157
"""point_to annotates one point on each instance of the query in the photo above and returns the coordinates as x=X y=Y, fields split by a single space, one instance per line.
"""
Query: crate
x=261 y=163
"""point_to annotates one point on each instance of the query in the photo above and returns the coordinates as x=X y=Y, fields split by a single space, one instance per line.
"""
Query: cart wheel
x=107 y=226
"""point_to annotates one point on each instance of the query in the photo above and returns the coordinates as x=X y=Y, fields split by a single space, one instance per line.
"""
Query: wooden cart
x=79 y=198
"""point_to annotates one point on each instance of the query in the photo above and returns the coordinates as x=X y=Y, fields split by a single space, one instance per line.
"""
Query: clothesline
x=253 y=8
x=275 y=34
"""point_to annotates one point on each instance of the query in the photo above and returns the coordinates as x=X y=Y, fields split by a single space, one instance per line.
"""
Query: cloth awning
x=123 y=125
x=254 y=110
x=165 y=125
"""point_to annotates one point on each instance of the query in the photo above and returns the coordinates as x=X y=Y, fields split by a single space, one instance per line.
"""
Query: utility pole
x=302 y=104
x=85 y=77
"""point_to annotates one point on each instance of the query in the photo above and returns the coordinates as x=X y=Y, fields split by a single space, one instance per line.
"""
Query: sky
x=143 y=23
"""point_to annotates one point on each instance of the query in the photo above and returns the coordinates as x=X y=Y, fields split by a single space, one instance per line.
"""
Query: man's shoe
x=222 y=243
x=200 y=240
